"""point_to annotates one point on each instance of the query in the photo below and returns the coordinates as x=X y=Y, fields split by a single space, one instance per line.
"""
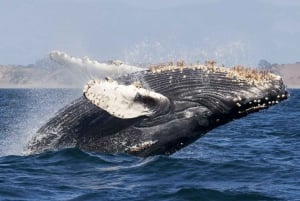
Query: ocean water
x=254 y=158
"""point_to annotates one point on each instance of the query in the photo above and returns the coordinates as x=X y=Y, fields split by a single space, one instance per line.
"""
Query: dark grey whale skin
x=200 y=101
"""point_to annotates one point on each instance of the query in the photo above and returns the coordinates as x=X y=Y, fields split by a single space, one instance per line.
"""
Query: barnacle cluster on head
x=168 y=66
x=238 y=73
x=181 y=64
x=251 y=75
x=211 y=63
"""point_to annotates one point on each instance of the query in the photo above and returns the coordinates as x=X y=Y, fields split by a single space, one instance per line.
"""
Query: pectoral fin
x=125 y=101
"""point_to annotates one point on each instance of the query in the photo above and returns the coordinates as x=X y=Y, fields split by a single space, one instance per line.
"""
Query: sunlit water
x=254 y=158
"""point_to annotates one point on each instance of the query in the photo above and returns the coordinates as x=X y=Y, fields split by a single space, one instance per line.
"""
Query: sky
x=229 y=31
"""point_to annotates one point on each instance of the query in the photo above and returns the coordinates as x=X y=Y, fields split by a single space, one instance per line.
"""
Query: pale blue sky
x=231 y=32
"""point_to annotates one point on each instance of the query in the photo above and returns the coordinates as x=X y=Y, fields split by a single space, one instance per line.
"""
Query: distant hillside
x=61 y=77
x=34 y=77
x=290 y=74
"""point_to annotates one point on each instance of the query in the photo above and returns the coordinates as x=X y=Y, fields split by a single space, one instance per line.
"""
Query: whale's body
x=159 y=110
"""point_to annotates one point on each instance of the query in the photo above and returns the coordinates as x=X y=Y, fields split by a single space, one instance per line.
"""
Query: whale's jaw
x=160 y=110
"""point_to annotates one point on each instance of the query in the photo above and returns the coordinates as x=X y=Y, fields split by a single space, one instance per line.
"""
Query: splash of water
x=88 y=69
x=24 y=111
x=32 y=108
x=230 y=53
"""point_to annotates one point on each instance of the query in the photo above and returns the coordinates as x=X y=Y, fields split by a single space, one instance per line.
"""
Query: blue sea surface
x=254 y=158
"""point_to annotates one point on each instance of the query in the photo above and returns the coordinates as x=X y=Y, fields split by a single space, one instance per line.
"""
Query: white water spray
x=87 y=69
x=229 y=53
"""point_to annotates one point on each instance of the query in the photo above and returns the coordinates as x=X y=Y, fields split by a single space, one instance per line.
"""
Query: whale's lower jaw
x=158 y=111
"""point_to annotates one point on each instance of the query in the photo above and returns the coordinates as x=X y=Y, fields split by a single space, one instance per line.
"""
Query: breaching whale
x=158 y=110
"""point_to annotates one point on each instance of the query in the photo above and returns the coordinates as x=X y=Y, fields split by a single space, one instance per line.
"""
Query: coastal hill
x=290 y=74
x=60 y=77
x=34 y=77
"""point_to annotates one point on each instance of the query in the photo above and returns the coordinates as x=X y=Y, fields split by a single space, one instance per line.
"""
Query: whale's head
x=172 y=106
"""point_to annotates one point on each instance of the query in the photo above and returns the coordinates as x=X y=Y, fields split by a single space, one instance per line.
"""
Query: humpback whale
x=158 y=110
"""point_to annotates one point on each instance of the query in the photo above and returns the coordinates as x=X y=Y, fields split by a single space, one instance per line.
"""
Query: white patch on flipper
x=121 y=100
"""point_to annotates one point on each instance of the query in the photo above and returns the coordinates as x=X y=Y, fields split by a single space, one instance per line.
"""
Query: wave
x=91 y=175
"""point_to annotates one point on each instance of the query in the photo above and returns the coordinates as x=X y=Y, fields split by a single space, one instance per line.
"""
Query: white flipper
x=125 y=101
